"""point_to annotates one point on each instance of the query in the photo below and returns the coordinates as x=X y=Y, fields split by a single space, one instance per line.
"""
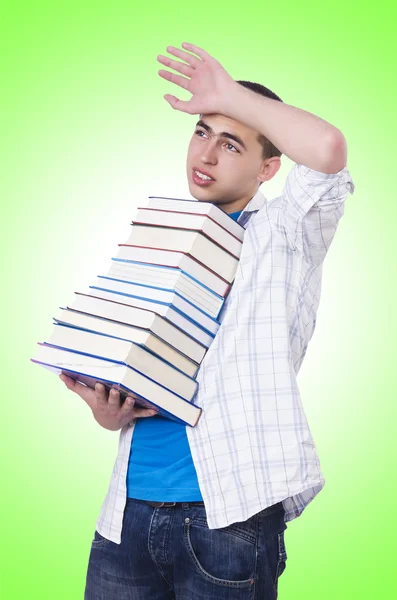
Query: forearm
x=303 y=137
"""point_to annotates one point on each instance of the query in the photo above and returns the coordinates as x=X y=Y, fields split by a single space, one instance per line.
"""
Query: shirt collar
x=255 y=204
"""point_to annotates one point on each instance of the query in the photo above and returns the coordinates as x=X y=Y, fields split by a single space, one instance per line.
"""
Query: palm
x=204 y=77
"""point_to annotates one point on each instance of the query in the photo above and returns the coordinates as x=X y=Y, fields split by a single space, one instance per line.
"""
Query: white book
x=138 y=317
x=168 y=278
x=195 y=244
x=166 y=297
x=133 y=355
x=144 y=337
x=170 y=258
x=89 y=371
x=201 y=223
x=198 y=207
x=166 y=311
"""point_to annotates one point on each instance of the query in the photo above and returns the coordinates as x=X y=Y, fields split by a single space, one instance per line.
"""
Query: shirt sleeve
x=310 y=207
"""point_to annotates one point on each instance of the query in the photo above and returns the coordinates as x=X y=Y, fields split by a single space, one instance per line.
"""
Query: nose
x=209 y=153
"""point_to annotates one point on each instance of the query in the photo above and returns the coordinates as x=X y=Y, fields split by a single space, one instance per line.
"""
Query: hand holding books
x=107 y=407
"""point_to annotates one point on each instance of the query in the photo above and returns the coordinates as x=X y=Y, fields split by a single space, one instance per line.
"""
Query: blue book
x=190 y=327
x=163 y=278
x=156 y=296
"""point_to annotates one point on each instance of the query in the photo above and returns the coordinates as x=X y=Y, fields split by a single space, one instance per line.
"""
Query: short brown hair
x=269 y=149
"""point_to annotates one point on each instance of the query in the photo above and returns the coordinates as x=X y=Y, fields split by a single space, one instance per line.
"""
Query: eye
x=198 y=131
x=227 y=144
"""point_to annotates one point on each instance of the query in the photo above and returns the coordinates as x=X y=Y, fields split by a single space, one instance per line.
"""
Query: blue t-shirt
x=160 y=466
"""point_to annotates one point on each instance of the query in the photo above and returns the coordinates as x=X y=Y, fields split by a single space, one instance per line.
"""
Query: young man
x=200 y=512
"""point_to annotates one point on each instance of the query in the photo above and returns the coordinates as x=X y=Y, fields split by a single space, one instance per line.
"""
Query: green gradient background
x=85 y=135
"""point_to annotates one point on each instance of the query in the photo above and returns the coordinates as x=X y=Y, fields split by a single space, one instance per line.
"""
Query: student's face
x=237 y=166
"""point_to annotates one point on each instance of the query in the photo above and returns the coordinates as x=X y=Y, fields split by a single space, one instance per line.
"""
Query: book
x=166 y=297
x=198 y=207
x=144 y=337
x=101 y=346
x=140 y=317
x=189 y=242
x=200 y=223
x=158 y=278
x=145 y=326
x=168 y=312
x=89 y=371
x=171 y=258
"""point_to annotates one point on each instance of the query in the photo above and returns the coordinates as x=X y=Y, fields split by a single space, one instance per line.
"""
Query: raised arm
x=303 y=137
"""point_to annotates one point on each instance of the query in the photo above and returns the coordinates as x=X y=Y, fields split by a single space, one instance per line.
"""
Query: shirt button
x=187 y=520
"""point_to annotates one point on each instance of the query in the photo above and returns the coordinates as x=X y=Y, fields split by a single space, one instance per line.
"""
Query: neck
x=236 y=205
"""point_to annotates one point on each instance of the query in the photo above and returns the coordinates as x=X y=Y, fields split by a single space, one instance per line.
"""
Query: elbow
x=336 y=158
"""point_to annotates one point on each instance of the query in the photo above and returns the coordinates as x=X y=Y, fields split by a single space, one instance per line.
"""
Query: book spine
x=189 y=214
x=123 y=364
x=170 y=291
x=142 y=345
x=165 y=304
x=140 y=400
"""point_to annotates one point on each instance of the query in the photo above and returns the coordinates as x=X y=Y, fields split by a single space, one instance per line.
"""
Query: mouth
x=201 y=178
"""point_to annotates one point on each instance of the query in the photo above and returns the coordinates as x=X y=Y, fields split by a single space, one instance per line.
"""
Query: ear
x=269 y=168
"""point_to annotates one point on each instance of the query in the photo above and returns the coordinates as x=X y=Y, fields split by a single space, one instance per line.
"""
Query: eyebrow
x=222 y=134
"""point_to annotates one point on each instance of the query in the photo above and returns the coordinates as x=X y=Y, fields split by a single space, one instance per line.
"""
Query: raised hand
x=204 y=77
x=106 y=407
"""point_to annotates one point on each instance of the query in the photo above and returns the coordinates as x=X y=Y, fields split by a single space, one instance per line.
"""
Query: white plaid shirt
x=252 y=446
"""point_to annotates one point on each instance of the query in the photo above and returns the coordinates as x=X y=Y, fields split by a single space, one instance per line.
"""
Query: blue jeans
x=171 y=554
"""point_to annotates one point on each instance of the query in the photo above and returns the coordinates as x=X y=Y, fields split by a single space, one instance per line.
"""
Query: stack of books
x=145 y=326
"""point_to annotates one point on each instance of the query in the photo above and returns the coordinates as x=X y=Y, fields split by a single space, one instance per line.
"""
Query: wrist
x=232 y=98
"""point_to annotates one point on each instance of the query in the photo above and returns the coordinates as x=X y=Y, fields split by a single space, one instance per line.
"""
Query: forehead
x=220 y=123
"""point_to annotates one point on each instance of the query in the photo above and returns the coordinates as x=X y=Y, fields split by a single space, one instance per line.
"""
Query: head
x=238 y=158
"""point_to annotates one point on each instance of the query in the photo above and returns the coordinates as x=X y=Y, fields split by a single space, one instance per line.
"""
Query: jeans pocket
x=282 y=555
x=99 y=541
x=223 y=556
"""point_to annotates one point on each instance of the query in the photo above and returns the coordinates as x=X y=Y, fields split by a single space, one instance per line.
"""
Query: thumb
x=177 y=104
x=68 y=381
x=86 y=393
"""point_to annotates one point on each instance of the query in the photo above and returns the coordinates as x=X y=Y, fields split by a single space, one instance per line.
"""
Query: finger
x=139 y=413
x=177 y=66
x=177 y=104
x=114 y=398
x=128 y=405
x=177 y=79
x=86 y=393
x=199 y=51
x=72 y=384
x=193 y=61
x=129 y=408
x=101 y=394
x=68 y=381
